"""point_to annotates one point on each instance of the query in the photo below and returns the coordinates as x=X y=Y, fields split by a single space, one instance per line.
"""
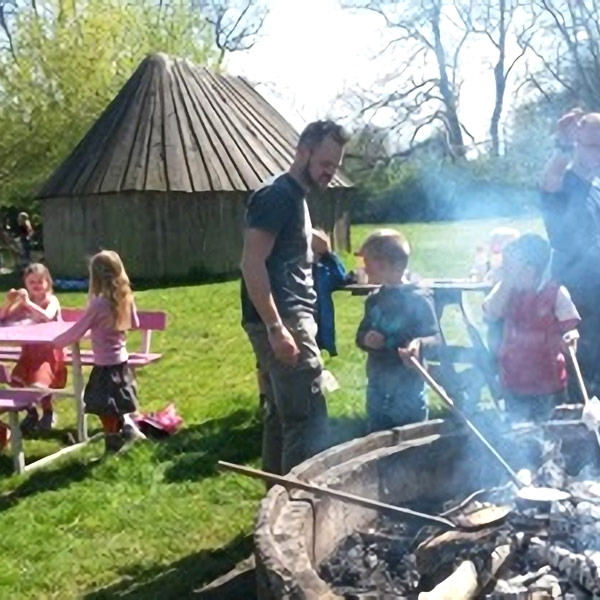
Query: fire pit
x=323 y=548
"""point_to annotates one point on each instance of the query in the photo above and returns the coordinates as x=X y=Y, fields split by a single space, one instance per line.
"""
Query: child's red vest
x=531 y=357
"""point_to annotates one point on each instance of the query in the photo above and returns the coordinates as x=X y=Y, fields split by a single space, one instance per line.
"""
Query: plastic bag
x=160 y=423
x=328 y=382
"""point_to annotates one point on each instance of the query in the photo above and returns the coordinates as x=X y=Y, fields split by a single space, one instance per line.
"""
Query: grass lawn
x=160 y=521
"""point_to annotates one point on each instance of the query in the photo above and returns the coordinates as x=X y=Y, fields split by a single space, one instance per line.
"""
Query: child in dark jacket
x=329 y=274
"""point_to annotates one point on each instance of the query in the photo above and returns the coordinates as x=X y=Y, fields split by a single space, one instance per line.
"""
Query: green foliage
x=70 y=59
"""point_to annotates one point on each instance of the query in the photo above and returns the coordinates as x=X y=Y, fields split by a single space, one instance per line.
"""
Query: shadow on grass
x=235 y=438
x=196 y=449
x=181 y=579
x=43 y=481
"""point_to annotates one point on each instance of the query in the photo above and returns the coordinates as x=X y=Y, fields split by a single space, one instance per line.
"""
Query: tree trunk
x=455 y=136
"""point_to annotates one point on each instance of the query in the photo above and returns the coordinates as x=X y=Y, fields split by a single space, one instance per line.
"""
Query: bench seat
x=15 y=400
x=136 y=359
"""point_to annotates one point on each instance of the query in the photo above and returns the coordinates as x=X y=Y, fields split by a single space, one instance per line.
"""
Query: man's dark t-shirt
x=280 y=208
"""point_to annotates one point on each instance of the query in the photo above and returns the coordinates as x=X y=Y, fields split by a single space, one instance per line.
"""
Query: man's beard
x=310 y=182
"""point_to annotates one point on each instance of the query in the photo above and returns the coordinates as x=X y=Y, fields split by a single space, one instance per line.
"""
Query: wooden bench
x=13 y=401
x=149 y=321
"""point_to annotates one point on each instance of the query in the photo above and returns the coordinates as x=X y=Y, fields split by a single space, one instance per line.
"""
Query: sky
x=312 y=51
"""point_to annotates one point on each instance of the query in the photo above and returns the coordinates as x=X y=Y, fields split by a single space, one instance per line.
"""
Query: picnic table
x=446 y=292
x=18 y=399
x=13 y=400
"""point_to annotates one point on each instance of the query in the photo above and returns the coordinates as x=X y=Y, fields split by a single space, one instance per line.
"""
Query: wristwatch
x=274 y=327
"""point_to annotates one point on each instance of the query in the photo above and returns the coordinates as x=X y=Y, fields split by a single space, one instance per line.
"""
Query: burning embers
x=503 y=548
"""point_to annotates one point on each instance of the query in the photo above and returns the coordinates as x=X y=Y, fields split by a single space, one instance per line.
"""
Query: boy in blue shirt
x=397 y=323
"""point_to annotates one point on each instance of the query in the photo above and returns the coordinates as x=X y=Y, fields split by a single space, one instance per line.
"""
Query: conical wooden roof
x=178 y=127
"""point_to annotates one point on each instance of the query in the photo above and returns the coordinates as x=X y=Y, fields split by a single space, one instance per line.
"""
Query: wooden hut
x=163 y=175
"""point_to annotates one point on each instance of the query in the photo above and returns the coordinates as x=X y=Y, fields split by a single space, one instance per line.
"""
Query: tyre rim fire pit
x=308 y=547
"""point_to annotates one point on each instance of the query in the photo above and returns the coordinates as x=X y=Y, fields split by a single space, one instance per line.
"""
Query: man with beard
x=571 y=210
x=278 y=300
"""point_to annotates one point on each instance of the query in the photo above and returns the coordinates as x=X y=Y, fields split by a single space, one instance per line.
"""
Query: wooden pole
x=441 y=392
x=288 y=482
x=581 y=383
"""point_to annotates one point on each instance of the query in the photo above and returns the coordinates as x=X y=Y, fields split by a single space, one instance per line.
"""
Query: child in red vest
x=536 y=312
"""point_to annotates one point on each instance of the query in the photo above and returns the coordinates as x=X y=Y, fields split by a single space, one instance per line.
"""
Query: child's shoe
x=48 y=421
x=113 y=443
x=30 y=423
x=131 y=432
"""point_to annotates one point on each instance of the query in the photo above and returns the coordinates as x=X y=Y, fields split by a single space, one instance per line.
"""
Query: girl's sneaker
x=113 y=443
x=30 y=423
x=131 y=432
x=48 y=421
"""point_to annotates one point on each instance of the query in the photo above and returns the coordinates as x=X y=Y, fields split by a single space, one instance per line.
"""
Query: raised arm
x=554 y=171
x=496 y=302
x=11 y=303
x=46 y=314
x=79 y=328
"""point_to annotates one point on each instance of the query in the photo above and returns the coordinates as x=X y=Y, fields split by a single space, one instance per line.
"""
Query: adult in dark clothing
x=571 y=210
x=25 y=231
x=278 y=300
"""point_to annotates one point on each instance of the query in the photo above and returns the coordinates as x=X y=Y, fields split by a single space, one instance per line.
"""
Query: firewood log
x=461 y=585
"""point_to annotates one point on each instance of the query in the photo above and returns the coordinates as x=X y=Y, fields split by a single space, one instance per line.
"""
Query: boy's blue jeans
x=392 y=404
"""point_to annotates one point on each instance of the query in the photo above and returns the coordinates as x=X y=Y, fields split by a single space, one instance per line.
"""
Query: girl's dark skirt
x=111 y=391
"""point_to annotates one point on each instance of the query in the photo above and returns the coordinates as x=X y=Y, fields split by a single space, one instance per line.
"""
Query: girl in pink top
x=39 y=364
x=111 y=391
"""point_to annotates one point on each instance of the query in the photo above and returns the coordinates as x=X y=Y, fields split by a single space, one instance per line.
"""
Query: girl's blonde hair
x=40 y=270
x=109 y=280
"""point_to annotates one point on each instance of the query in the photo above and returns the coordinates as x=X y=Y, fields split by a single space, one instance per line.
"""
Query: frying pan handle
x=439 y=390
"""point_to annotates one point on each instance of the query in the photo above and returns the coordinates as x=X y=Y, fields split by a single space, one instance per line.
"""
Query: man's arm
x=258 y=244
x=554 y=171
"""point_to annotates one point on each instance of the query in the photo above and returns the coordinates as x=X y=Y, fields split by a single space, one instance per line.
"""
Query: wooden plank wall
x=162 y=235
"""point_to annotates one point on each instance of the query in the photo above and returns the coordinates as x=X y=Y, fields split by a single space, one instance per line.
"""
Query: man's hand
x=284 y=346
x=413 y=350
x=567 y=126
x=374 y=340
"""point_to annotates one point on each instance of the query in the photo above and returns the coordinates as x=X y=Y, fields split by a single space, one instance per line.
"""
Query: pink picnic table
x=46 y=333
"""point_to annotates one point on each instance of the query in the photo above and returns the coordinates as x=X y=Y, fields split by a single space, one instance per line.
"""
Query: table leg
x=78 y=389
x=16 y=442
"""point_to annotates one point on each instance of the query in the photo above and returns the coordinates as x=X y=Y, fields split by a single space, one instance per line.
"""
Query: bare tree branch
x=4 y=16
x=236 y=23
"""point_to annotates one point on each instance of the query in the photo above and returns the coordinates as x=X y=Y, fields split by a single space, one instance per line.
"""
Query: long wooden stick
x=441 y=392
x=581 y=383
x=288 y=482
